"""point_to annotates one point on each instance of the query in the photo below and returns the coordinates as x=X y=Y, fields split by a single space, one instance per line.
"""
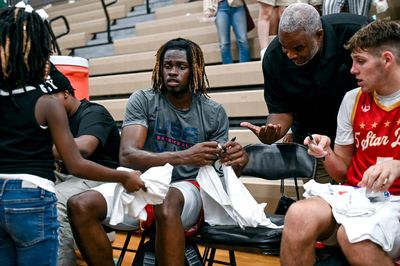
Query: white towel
x=226 y=201
x=377 y=221
x=156 y=180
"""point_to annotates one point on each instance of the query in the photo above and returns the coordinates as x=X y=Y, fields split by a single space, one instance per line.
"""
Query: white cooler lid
x=69 y=60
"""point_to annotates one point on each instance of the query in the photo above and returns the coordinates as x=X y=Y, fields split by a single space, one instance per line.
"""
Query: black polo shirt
x=312 y=92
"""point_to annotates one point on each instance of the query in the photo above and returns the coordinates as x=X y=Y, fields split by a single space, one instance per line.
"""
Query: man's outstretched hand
x=267 y=134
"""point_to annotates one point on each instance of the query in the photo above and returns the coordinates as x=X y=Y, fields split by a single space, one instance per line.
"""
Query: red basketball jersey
x=376 y=131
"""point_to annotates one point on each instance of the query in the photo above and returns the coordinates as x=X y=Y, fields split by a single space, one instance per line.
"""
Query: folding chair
x=145 y=252
x=272 y=162
x=129 y=230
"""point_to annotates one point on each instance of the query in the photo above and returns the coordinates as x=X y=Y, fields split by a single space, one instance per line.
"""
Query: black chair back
x=279 y=161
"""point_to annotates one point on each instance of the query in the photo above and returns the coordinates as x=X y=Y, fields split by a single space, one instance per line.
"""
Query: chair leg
x=124 y=248
x=140 y=246
x=205 y=255
x=211 y=257
x=232 y=258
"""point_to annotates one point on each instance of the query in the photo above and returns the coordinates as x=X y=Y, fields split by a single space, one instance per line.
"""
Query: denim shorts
x=28 y=224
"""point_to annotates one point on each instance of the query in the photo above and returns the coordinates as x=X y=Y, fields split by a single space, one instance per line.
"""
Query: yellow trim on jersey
x=385 y=108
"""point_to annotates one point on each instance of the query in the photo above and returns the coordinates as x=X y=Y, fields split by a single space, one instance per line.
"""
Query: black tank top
x=25 y=146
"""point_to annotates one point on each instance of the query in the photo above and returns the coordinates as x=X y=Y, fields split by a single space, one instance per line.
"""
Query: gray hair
x=300 y=16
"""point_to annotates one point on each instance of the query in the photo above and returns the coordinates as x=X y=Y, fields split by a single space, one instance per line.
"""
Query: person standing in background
x=231 y=13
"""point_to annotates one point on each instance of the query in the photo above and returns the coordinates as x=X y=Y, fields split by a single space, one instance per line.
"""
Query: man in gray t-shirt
x=177 y=123
x=172 y=129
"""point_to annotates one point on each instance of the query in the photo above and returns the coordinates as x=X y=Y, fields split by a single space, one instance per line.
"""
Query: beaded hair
x=25 y=48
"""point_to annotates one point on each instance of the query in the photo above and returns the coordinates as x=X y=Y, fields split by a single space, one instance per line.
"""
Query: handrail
x=104 y=5
x=54 y=38
x=148 y=10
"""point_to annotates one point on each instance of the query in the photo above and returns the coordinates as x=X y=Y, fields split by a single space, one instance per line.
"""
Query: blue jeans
x=28 y=224
x=236 y=17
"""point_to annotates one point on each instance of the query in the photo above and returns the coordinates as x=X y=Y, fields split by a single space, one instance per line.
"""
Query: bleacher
x=127 y=64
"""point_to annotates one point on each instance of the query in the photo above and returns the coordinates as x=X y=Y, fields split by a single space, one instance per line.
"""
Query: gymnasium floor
x=241 y=258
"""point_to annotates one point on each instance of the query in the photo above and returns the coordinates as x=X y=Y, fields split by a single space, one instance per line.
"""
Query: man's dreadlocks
x=25 y=48
x=198 y=78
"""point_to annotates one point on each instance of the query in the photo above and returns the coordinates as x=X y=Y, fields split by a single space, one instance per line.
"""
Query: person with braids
x=31 y=120
x=364 y=224
x=174 y=122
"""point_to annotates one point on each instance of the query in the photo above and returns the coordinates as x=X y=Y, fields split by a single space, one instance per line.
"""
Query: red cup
x=76 y=69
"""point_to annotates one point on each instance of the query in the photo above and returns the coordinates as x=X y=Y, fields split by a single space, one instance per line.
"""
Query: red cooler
x=76 y=69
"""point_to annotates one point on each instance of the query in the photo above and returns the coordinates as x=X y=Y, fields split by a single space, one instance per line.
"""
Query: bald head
x=300 y=17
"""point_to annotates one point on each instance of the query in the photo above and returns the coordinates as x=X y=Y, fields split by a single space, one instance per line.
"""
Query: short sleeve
x=220 y=133
x=344 y=132
x=137 y=110
x=276 y=102
x=96 y=121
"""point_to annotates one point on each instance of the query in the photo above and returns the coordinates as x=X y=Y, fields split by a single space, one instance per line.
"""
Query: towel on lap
x=156 y=180
x=363 y=218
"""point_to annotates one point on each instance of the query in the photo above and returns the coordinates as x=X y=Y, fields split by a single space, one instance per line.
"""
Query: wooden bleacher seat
x=73 y=40
x=187 y=21
x=88 y=17
x=179 y=9
x=236 y=104
x=90 y=26
x=151 y=35
x=144 y=61
x=220 y=76
x=82 y=7
x=64 y=5
x=201 y=35
x=79 y=7
x=115 y=12
x=183 y=7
